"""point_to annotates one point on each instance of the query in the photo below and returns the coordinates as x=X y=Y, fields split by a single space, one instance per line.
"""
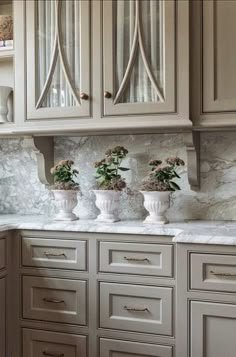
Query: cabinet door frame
x=210 y=102
x=199 y=311
x=156 y=115
x=57 y=112
x=204 y=118
x=169 y=29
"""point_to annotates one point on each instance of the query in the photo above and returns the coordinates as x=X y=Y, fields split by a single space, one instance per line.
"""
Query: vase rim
x=155 y=191
x=102 y=191
x=64 y=190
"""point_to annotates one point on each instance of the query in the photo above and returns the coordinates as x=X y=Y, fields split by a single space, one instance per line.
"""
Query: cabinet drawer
x=136 y=308
x=2 y=253
x=115 y=348
x=52 y=344
x=136 y=258
x=54 y=253
x=56 y=300
x=213 y=272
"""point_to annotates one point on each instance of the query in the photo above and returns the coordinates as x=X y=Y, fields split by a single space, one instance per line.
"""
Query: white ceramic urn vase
x=156 y=203
x=65 y=201
x=107 y=201
x=4 y=94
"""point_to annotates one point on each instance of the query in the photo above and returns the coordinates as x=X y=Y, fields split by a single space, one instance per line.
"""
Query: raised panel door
x=219 y=56
x=213 y=329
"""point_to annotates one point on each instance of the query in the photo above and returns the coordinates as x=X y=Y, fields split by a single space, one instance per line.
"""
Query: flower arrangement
x=64 y=175
x=160 y=177
x=108 y=175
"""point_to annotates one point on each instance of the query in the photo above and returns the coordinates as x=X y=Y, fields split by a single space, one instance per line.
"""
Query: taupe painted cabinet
x=206 y=302
x=93 y=311
x=102 y=65
x=213 y=78
x=113 y=305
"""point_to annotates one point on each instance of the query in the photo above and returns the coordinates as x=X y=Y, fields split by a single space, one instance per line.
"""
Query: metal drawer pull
x=222 y=274
x=137 y=309
x=53 y=301
x=55 y=255
x=137 y=259
x=53 y=354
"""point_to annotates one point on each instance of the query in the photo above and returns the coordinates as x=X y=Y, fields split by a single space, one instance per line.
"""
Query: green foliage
x=161 y=178
x=108 y=175
x=64 y=175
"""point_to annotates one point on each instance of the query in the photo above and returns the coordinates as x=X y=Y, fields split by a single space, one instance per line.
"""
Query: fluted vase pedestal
x=107 y=201
x=65 y=201
x=156 y=203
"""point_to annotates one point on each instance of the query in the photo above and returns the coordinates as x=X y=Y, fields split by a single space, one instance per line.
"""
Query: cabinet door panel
x=139 y=56
x=219 y=56
x=213 y=329
x=58 y=70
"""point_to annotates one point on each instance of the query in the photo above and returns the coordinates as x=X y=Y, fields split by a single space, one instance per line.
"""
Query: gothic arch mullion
x=50 y=71
x=131 y=61
x=64 y=62
x=145 y=60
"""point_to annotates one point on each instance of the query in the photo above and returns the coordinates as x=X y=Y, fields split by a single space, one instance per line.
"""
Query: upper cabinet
x=99 y=66
x=145 y=53
x=58 y=59
x=102 y=66
x=213 y=62
x=139 y=57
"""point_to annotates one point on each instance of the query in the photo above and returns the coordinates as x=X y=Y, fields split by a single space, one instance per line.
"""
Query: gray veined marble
x=201 y=232
x=21 y=191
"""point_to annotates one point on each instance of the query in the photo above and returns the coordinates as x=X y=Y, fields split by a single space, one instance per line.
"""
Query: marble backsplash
x=21 y=192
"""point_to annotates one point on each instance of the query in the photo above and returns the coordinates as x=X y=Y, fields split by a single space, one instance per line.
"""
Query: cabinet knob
x=84 y=96
x=107 y=95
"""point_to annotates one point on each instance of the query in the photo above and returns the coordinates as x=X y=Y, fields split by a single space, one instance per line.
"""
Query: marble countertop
x=203 y=232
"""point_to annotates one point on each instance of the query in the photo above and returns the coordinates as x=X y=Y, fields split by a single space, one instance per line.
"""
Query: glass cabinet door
x=58 y=58
x=138 y=56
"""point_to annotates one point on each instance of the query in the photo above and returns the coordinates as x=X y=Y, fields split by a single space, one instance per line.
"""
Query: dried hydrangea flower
x=155 y=162
x=175 y=161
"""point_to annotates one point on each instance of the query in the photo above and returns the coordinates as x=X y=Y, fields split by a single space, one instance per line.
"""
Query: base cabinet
x=2 y=318
x=213 y=329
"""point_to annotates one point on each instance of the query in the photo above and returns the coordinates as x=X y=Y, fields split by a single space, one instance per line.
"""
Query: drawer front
x=54 y=253
x=115 y=348
x=213 y=272
x=136 y=308
x=136 y=258
x=56 y=300
x=52 y=344
x=2 y=253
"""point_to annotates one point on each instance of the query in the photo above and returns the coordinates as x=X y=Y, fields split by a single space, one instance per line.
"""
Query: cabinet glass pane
x=138 y=34
x=58 y=52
